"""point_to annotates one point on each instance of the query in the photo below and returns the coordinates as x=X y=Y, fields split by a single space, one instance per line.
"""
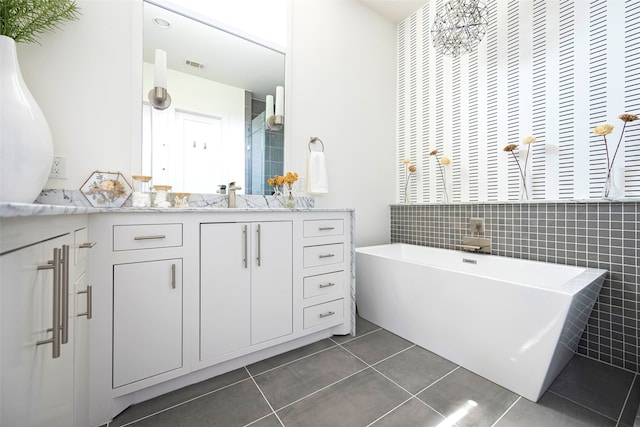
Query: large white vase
x=26 y=146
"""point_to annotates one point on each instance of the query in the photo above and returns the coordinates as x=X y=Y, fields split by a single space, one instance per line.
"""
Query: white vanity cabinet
x=38 y=322
x=188 y=295
x=245 y=285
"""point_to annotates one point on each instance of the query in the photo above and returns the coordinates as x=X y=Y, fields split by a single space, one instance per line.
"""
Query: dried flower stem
x=613 y=159
x=444 y=182
x=522 y=174
x=407 y=175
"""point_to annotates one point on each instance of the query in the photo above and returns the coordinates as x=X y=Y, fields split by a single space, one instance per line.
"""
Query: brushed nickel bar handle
x=326 y=228
x=246 y=244
x=327 y=285
x=55 y=338
x=156 y=237
x=330 y=313
x=64 y=325
x=88 y=245
x=259 y=244
x=89 y=292
x=326 y=255
x=173 y=276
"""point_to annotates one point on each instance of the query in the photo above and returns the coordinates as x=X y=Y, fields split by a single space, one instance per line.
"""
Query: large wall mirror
x=214 y=131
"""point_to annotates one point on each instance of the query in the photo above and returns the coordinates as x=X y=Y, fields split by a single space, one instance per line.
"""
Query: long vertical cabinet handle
x=55 y=338
x=259 y=245
x=173 y=276
x=89 y=292
x=64 y=325
x=246 y=245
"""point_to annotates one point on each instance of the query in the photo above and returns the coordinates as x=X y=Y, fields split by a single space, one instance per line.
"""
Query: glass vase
x=290 y=201
x=610 y=189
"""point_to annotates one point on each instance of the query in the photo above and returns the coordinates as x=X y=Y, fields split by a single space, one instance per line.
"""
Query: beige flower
x=412 y=168
x=603 y=129
x=529 y=140
x=628 y=117
x=433 y=152
x=406 y=161
x=445 y=161
x=510 y=147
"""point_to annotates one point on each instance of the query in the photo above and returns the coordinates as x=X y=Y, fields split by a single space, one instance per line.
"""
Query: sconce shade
x=158 y=96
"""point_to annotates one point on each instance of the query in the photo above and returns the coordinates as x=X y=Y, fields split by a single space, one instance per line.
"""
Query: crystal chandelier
x=459 y=27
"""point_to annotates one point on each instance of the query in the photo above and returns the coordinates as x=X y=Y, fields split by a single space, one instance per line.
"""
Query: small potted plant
x=26 y=145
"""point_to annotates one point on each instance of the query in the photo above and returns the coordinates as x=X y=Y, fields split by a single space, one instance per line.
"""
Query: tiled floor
x=380 y=379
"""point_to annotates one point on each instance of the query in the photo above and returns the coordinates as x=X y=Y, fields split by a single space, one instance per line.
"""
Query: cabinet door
x=271 y=281
x=147 y=319
x=36 y=387
x=225 y=274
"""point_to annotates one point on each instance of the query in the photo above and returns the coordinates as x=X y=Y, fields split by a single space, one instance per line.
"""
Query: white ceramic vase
x=26 y=146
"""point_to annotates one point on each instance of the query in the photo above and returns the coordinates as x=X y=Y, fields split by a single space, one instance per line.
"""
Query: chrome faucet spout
x=232 y=203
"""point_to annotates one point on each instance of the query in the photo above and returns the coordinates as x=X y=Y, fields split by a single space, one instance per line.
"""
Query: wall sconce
x=275 y=121
x=158 y=96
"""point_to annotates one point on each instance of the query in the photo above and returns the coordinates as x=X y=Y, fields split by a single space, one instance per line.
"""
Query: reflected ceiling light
x=275 y=121
x=158 y=96
x=161 y=22
x=459 y=27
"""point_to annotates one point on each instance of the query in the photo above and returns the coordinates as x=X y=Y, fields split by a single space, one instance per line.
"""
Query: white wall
x=343 y=91
x=81 y=76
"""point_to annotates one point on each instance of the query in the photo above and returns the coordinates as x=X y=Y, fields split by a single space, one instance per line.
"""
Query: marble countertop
x=9 y=210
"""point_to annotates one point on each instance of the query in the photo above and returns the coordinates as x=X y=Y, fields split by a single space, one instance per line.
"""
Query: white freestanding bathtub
x=515 y=322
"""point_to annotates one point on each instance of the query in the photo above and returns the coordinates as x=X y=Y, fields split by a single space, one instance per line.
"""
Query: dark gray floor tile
x=356 y=401
x=552 y=410
x=159 y=403
x=270 y=421
x=595 y=385
x=236 y=405
x=632 y=407
x=363 y=327
x=462 y=390
x=415 y=368
x=293 y=381
x=377 y=345
x=290 y=356
x=413 y=413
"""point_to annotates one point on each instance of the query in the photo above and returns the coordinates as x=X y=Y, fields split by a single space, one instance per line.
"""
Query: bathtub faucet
x=476 y=244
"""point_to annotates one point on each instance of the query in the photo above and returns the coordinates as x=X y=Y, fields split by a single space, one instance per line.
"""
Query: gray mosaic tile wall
x=590 y=234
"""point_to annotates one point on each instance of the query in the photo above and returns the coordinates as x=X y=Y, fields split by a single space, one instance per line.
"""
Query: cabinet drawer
x=323 y=227
x=146 y=236
x=323 y=313
x=323 y=284
x=315 y=256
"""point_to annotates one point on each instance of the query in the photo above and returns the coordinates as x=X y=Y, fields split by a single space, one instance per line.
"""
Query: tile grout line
x=264 y=397
x=412 y=395
x=293 y=361
x=356 y=338
x=508 y=409
x=580 y=404
x=626 y=400
x=180 y=404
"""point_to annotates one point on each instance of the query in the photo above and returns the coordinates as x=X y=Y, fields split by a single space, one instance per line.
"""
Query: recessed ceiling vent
x=194 y=64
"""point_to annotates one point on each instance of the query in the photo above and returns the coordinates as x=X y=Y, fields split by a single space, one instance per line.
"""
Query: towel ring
x=313 y=140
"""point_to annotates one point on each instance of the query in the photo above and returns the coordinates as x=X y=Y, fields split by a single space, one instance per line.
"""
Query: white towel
x=317 y=179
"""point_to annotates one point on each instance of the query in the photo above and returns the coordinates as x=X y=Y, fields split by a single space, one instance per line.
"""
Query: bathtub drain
x=469 y=261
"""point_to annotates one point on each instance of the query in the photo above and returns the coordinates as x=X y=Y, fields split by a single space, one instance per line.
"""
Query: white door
x=225 y=275
x=147 y=319
x=271 y=281
x=37 y=389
